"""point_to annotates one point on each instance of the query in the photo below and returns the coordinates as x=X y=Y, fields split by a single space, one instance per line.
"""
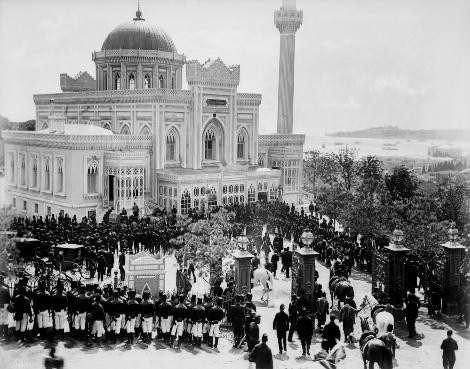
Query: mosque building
x=134 y=135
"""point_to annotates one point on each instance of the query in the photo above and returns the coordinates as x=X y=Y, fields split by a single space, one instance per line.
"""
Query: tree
x=370 y=172
x=206 y=242
x=346 y=161
x=401 y=184
x=7 y=246
x=311 y=163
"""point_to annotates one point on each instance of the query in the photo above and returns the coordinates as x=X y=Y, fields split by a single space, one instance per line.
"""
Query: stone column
x=287 y=20
x=395 y=274
x=139 y=77
x=123 y=77
x=303 y=275
x=109 y=71
x=154 y=76
x=451 y=279
x=242 y=271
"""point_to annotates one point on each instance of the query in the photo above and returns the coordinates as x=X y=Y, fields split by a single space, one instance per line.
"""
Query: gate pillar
x=303 y=275
x=451 y=276
x=242 y=271
x=395 y=270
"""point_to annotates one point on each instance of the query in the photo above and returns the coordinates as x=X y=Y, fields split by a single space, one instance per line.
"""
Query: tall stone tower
x=285 y=150
x=287 y=20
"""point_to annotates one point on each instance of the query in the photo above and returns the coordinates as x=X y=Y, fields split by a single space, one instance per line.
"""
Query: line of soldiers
x=87 y=312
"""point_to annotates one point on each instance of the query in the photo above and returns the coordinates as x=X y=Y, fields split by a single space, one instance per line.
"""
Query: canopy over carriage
x=69 y=254
x=28 y=248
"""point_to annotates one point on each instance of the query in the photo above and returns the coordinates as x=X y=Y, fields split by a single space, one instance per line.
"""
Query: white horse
x=381 y=319
x=263 y=277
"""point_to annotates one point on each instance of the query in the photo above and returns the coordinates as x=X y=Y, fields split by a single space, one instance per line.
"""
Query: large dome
x=138 y=34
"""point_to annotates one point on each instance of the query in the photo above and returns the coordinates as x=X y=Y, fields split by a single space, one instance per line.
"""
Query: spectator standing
x=448 y=347
x=331 y=334
x=281 y=325
x=262 y=355
x=305 y=332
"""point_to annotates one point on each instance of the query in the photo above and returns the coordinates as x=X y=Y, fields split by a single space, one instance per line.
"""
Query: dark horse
x=373 y=349
x=340 y=288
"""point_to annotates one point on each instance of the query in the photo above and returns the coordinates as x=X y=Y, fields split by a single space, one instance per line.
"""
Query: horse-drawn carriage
x=29 y=248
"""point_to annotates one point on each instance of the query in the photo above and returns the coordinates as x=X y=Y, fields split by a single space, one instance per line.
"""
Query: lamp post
x=397 y=240
x=453 y=234
x=307 y=239
x=243 y=241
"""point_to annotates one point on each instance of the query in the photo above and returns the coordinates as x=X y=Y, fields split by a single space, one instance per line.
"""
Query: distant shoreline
x=389 y=132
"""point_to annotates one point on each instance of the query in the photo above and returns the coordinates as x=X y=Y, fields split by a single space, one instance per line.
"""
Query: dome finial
x=138 y=13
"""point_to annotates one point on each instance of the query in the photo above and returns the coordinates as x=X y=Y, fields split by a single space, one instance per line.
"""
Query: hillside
x=5 y=124
x=395 y=132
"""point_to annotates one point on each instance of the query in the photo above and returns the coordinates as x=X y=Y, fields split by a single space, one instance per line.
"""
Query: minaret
x=287 y=20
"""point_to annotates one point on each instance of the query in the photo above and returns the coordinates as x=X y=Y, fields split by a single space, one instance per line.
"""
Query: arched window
x=251 y=194
x=60 y=175
x=241 y=144
x=213 y=141
x=161 y=81
x=145 y=130
x=125 y=130
x=172 y=146
x=117 y=81
x=47 y=174
x=211 y=198
x=35 y=173
x=23 y=171
x=209 y=145
x=147 y=81
x=92 y=177
x=272 y=193
x=185 y=202
x=131 y=81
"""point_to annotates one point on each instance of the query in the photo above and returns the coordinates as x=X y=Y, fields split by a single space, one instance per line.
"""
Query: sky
x=359 y=63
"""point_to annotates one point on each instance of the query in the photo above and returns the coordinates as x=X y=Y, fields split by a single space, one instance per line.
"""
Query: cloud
x=350 y=104
x=396 y=83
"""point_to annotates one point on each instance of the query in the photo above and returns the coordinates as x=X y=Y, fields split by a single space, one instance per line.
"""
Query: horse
x=340 y=288
x=381 y=315
x=263 y=277
x=374 y=350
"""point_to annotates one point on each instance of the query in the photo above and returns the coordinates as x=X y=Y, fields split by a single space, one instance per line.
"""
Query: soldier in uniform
x=348 y=316
x=166 y=317
x=293 y=315
x=83 y=304
x=188 y=331
x=252 y=333
x=4 y=302
x=322 y=307
x=216 y=315
x=147 y=313
x=198 y=315
x=60 y=303
x=22 y=312
x=42 y=309
x=207 y=322
x=237 y=313
x=132 y=310
x=180 y=313
x=116 y=310
x=97 y=318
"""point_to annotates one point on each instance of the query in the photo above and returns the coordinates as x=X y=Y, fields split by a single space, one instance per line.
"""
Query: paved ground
x=419 y=354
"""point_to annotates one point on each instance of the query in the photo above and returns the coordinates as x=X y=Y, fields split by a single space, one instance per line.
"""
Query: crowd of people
x=114 y=314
